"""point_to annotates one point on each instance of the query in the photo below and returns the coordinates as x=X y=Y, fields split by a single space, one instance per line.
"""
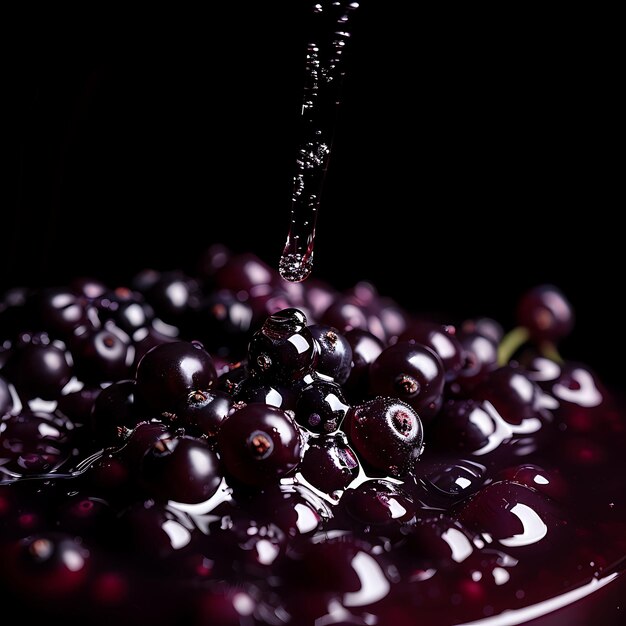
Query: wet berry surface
x=230 y=450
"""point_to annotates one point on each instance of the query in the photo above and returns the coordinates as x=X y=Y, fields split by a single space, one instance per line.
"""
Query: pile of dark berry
x=230 y=449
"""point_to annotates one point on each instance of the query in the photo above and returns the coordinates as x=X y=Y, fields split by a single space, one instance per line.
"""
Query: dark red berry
x=546 y=313
x=386 y=433
x=283 y=349
x=183 y=469
x=411 y=372
x=259 y=444
x=168 y=373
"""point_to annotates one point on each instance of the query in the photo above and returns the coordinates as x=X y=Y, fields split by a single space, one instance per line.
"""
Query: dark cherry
x=329 y=464
x=484 y=326
x=77 y=404
x=546 y=313
x=259 y=389
x=259 y=443
x=318 y=296
x=365 y=350
x=449 y=481
x=143 y=437
x=39 y=368
x=102 y=354
x=115 y=413
x=203 y=411
x=464 y=426
x=440 y=539
x=332 y=565
x=85 y=516
x=293 y=507
x=379 y=503
x=549 y=482
x=440 y=339
x=515 y=516
x=149 y=337
x=34 y=442
x=168 y=373
x=153 y=532
x=386 y=433
x=183 y=469
x=244 y=547
x=224 y=323
x=335 y=353
x=345 y=314
x=47 y=565
x=62 y=311
x=174 y=296
x=481 y=357
x=244 y=271
x=511 y=391
x=411 y=372
x=321 y=407
x=88 y=287
x=126 y=308
x=283 y=349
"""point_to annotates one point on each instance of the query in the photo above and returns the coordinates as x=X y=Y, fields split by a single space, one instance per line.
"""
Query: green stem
x=549 y=350
x=511 y=343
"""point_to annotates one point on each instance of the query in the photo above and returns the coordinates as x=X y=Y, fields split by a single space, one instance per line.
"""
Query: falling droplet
x=323 y=78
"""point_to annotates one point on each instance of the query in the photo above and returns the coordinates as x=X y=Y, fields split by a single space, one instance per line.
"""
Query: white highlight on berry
x=178 y=535
x=460 y=545
x=534 y=529
x=374 y=584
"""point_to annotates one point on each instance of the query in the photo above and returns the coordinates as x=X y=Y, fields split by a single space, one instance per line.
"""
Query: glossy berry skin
x=546 y=313
x=114 y=413
x=321 y=407
x=462 y=425
x=40 y=368
x=102 y=354
x=517 y=517
x=411 y=372
x=386 y=433
x=378 y=503
x=329 y=464
x=365 y=350
x=484 y=326
x=224 y=323
x=183 y=469
x=335 y=352
x=202 y=412
x=481 y=357
x=6 y=400
x=448 y=481
x=259 y=389
x=440 y=538
x=283 y=349
x=259 y=444
x=440 y=339
x=126 y=308
x=47 y=565
x=174 y=295
x=62 y=311
x=514 y=395
x=33 y=442
x=168 y=373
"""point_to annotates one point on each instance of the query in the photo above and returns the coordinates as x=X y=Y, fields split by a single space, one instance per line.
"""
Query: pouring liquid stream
x=323 y=78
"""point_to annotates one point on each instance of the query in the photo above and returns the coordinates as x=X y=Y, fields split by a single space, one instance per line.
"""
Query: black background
x=475 y=155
